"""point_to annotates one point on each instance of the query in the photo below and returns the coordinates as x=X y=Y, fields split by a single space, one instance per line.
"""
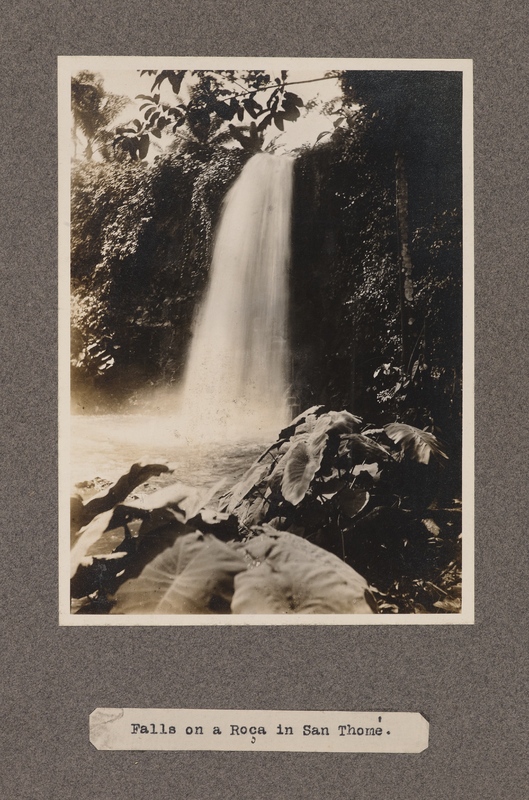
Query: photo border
x=67 y=65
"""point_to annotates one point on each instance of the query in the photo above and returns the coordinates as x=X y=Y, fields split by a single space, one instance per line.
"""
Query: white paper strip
x=290 y=731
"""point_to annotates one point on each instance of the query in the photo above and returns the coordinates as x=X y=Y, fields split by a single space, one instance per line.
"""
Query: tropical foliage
x=330 y=497
x=216 y=98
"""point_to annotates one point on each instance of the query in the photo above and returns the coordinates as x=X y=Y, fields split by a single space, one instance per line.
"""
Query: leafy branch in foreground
x=215 y=98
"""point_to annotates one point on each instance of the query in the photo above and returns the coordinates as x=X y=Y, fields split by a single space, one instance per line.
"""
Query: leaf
x=251 y=478
x=144 y=145
x=95 y=573
x=322 y=134
x=306 y=427
x=265 y=122
x=278 y=120
x=331 y=422
x=294 y=98
x=328 y=488
x=176 y=80
x=300 y=468
x=343 y=421
x=450 y=604
x=361 y=448
x=158 y=531
x=417 y=444
x=305 y=455
x=352 y=501
x=225 y=111
x=367 y=469
x=88 y=536
x=290 y=112
x=208 y=520
x=158 y=80
x=179 y=496
x=194 y=576
x=293 y=576
x=160 y=518
x=253 y=108
x=287 y=432
x=255 y=512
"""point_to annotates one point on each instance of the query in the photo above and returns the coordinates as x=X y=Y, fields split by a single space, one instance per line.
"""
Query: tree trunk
x=407 y=316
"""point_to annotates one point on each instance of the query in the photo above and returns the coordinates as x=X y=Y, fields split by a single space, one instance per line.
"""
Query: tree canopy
x=221 y=106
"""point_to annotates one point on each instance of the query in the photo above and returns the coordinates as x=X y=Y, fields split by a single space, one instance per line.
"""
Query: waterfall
x=236 y=380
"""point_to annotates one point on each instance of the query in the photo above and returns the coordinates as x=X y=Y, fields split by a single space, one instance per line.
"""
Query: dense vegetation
x=375 y=305
x=331 y=496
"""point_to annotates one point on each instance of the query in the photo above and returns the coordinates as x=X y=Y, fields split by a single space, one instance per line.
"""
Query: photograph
x=265 y=341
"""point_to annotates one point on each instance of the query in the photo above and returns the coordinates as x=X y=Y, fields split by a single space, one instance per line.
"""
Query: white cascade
x=236 y=380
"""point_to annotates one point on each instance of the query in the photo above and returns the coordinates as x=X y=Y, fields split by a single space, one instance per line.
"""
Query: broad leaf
x=367 y=469
x=144 y=145
x=87 y=537
x=300 y=468
x=249 y=481
x=417 y=444
x=343 y=421
x=293 y=98
x=278 y=120
x=352 y=501
x=178 y=496
x=290 y=429
x=360 y=449
x=175 y=79
x=293 y=576
x=450 y=604
x=254 y=513
x=224 y=526
x=328 y=488
x=194 y=576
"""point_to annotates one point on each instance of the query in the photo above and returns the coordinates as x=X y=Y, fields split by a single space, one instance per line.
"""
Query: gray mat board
x=468 y=682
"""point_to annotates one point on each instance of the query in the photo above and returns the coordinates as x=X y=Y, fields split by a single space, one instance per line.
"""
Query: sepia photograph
x=266 y=341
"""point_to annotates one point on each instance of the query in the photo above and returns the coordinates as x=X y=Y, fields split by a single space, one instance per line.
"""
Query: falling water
x=236 y=380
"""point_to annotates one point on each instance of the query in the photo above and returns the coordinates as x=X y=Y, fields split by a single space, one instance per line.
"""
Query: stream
x=104 y=446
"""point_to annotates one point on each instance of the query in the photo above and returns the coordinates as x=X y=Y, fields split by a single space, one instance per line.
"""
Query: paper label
x=272 y=731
